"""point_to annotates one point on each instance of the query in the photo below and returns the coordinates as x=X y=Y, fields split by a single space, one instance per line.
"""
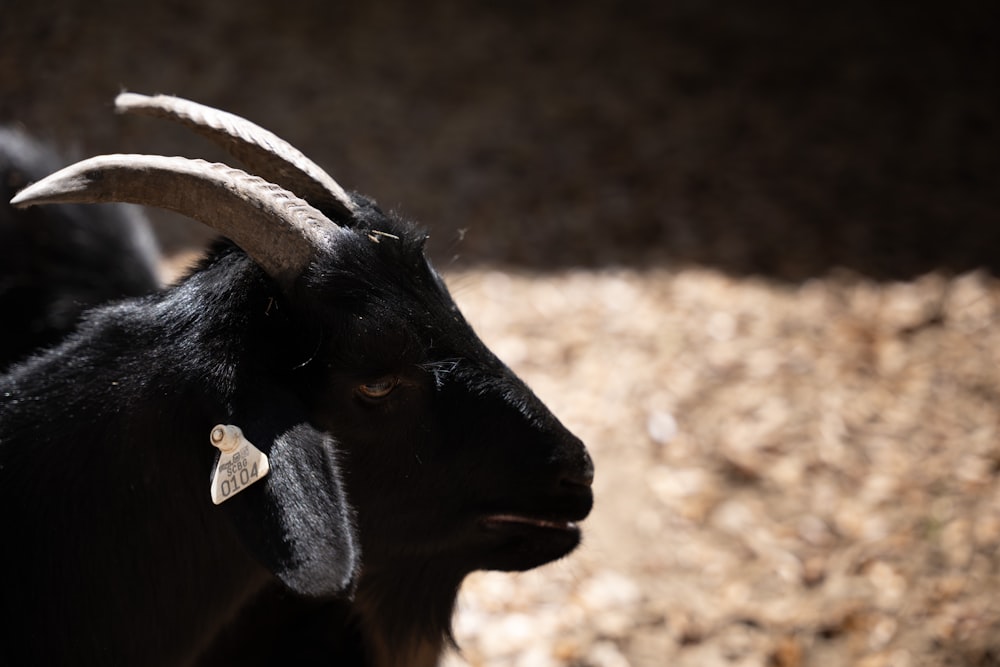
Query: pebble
x=662 y=427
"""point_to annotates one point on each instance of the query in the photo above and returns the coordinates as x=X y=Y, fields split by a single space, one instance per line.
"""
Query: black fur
x=57 y=261
x=352 y=550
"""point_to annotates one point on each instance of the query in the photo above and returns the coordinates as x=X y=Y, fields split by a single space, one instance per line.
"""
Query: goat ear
x=296 y=521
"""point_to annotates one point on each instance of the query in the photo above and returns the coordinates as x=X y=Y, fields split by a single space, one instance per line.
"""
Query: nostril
x=583 y=481
x=583 y=477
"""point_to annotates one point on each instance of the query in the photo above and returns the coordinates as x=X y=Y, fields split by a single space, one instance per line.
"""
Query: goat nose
x=582 y=476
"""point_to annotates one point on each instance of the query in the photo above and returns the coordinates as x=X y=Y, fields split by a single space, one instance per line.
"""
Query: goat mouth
x=519 y=542
x=495 y=521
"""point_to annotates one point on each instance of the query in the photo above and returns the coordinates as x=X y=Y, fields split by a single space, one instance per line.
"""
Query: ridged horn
x=264 y=153
x=279 y=231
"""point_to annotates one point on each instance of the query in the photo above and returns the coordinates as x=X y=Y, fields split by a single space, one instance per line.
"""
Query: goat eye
x=379 y=388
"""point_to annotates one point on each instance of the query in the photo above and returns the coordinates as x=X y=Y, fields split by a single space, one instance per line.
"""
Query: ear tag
x=240 y=465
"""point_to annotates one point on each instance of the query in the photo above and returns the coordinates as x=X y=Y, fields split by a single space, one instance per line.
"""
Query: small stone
x=606 y=654
x=662 y=427
x=536 y=656
x=787 y=653
x=609 y=590
x=813 y=571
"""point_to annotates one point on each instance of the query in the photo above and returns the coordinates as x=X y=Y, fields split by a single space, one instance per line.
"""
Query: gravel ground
x=748 y=252
x=787 y=475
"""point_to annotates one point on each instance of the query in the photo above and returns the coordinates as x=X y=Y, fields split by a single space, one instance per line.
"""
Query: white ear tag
x=240 y=465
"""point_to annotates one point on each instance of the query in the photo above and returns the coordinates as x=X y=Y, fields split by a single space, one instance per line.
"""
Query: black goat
x=57 y=262
x=403 y=454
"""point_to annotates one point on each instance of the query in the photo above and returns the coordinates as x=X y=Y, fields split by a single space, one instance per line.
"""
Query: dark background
x=785 y=139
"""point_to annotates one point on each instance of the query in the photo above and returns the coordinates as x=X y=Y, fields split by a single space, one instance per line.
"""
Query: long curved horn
x=266 y=154
x=279 y=231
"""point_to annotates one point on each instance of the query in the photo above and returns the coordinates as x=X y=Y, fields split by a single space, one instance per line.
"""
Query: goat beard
x=405 y=613
x=397 y=617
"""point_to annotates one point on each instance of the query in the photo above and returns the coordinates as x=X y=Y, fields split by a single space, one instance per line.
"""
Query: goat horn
x=281 y=232
x=266 y=154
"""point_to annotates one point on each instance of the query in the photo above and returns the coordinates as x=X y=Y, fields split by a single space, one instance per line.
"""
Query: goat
x=57 y=262
x=403 y=454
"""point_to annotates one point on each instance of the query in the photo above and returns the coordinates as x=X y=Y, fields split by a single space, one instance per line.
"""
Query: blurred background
x=748 y=251
x=772 y=138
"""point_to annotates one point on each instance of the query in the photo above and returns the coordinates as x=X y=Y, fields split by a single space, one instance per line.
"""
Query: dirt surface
x=749 y=254
x=787 y=475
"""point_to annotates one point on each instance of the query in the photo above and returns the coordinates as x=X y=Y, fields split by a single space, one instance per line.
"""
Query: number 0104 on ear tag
x=240 y=463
